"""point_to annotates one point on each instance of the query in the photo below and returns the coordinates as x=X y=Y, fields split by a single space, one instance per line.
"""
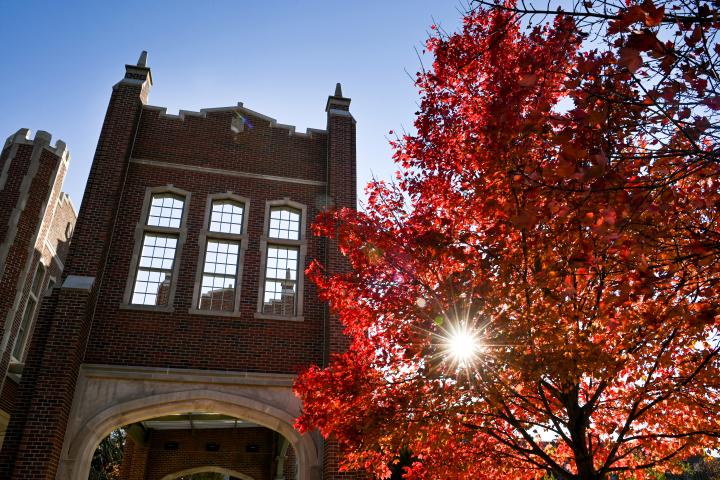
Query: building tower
x=36 y=221
x=183 y=314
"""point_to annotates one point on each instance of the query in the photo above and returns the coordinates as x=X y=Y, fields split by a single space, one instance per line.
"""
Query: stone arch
x=81 y=445
x=191 y=471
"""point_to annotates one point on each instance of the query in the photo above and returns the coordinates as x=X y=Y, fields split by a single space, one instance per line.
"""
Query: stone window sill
x=15 y=367
x=213 y=313
x=147 y=308
x=267 y=316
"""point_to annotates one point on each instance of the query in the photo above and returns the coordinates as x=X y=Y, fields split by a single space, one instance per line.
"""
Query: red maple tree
x=537 y=292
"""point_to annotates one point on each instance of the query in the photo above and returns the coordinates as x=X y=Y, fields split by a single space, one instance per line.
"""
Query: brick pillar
x=342 y=191
x=135 y=458
x=37 y=427
x=341 y=172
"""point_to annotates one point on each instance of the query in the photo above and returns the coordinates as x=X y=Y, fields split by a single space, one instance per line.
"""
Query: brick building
x=36 y=221
x=183 y=313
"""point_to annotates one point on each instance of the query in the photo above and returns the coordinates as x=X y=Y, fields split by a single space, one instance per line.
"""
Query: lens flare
x=461 y=344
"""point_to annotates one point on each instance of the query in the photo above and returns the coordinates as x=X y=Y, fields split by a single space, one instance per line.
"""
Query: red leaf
x=712 y=102
x=630 y=58
x=653 y=15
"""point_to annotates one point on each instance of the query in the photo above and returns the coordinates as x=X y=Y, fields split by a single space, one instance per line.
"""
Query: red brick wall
x=8 y=395
x=135 y=458
x=153 y=461
x=179 y=339
x=209 y=142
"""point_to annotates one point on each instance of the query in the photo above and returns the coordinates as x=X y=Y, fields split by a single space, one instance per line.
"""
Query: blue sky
x=61 y=58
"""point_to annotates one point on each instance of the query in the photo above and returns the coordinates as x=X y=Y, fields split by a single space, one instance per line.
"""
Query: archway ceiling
x=196 y=420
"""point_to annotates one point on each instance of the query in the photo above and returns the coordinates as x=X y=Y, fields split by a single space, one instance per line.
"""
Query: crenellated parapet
x=238 y=125
x=42 y=139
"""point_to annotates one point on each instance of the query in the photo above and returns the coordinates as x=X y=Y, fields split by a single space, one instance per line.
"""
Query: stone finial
x=337 y=102
x=138 y=74
x=142 y=61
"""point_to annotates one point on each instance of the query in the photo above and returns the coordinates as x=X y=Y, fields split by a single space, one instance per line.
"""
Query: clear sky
x=282 y=58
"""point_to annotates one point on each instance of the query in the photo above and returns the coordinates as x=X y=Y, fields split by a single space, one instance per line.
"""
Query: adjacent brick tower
x=183 y=313
x=36 y=221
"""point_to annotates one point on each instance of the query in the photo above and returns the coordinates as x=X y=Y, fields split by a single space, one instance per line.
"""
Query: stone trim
x=341 y=113
x=302 y=253
x=140 y=229
x=8 y=162
x=78 y=282
x=65 y=198
x=269 y=316
x=22 y=136
x=54 y=255
x=205 y=233
x=309 y=132
x=36 y=297
x=187 y=375
x=222 y=171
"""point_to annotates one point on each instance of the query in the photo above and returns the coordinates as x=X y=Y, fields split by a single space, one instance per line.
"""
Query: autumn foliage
x=559 y=204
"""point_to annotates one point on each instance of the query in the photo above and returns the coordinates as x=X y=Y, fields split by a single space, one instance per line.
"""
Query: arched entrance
x=107 y=398
x=223 y=471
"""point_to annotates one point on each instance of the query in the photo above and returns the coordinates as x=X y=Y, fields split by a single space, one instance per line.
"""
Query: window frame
x=35 y=297
x=204 y=236
x=142 y=228
x=300 y=244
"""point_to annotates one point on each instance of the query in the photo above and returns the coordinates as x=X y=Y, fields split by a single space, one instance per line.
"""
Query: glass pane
x=281 y=263
x=38 y=279
x=279 y=297
x=158 y=251
x=281 y=271
x=166 y=210
x=218 y=257
x=217 y=292
x=284 y=223
x=152 y=287
x=226 y=216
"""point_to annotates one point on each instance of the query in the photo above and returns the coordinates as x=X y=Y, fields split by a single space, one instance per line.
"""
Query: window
x=283 y=253
x=156 y=261
x=280 y=280
x=26 y=322
x=284 y=223
x=226 y=216
x=224 y=245
x=50 y=286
